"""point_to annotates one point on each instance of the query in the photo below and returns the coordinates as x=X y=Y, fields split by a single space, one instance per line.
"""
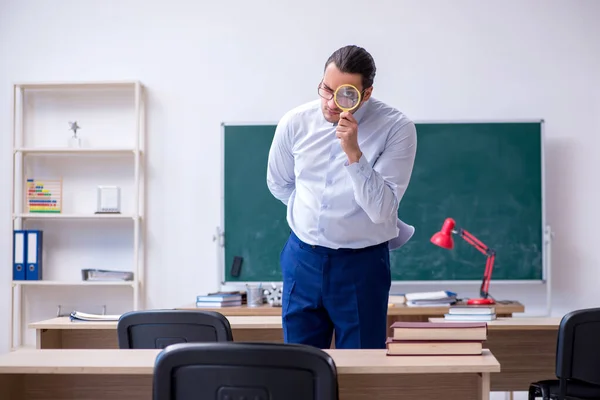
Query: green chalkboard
x=487 y=176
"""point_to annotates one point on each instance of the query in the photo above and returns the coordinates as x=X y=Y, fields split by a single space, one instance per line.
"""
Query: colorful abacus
x=44 y=196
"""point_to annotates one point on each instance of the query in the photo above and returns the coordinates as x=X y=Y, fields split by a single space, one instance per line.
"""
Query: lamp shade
x=443 y=238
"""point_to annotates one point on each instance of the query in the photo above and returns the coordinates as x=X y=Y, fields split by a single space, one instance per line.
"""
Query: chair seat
x=577 y=389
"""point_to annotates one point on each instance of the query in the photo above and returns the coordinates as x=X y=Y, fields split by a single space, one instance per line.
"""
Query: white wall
x=436 y=59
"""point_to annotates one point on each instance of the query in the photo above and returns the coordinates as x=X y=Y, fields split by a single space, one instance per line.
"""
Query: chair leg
x=535 y=391
x=562 y=389
x=532 y=393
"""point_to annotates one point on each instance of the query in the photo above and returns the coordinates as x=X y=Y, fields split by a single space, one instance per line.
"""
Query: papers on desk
x=81 y=316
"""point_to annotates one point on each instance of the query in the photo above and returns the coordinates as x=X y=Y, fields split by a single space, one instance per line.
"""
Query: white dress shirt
x=333 y=203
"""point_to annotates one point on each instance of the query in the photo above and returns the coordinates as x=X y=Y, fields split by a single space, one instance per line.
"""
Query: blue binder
x=34 y=256
x=19 y=254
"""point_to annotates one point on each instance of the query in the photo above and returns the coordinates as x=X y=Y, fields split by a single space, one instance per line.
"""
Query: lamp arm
x=489 y=265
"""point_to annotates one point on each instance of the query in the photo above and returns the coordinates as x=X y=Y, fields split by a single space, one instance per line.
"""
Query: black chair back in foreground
x=253 y=371
x=577 y=359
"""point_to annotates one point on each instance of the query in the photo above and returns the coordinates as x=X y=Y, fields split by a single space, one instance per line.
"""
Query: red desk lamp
x=444 y=239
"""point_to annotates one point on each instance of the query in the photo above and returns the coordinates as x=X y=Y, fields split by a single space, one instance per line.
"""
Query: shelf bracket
x=219 y=237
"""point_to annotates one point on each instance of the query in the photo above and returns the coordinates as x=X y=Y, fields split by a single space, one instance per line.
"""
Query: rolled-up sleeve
x=379 y=190
x=280 y=166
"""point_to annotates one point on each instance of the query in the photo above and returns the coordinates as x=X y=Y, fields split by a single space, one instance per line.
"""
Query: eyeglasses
x=327 y=94
x=324 y=92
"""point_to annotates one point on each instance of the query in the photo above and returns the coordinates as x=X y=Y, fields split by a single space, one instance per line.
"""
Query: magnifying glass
x=347 y=97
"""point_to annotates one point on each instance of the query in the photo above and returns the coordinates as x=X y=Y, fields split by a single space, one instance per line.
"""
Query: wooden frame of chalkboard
x=478 y=161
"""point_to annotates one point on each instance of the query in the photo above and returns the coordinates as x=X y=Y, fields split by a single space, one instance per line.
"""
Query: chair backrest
x=253 y=371
x=578 y=346
x=156 y=329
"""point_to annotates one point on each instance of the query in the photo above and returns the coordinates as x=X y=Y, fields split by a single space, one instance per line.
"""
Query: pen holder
x=254 y=296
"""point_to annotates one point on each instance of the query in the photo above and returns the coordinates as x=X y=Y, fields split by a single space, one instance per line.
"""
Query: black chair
x=156 y=329
x=252 y=371
x=577 y=359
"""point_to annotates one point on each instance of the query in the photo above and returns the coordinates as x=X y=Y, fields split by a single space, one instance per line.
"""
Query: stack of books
x=471 y=313
x=436 y=339
x=442 y=298
x=218 y=300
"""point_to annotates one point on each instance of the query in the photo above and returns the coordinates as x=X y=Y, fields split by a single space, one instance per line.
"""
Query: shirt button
x=328 y=181
x=362 y=168
x=324 y=206
x=332 y=158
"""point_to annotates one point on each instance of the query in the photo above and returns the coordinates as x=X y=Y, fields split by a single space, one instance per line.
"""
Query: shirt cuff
x=360 y=168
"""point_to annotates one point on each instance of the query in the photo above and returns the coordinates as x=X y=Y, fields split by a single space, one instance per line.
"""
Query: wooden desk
x=526 y=349
x=127 y=374
x=519 y=323
x=249 y=324
x=398 y=311
x=61 y=333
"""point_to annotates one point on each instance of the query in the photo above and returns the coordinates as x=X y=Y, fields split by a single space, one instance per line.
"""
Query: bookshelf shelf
x=75 y=283
x=87 y=136
x=78 y=85
x=76 y=216
x=67 y=151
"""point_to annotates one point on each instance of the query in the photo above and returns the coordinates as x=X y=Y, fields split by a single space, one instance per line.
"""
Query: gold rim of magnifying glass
x=345 y=108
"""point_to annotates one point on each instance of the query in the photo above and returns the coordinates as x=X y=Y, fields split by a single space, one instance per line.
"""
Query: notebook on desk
x=81 y=316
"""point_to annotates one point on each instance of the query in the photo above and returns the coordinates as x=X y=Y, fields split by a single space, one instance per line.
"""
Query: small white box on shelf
x=109 y=200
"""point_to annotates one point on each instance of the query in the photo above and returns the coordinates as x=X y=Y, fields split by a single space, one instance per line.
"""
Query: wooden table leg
x=484 y=386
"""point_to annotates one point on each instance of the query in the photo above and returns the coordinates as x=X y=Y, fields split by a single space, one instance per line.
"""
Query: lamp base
x=480 y=302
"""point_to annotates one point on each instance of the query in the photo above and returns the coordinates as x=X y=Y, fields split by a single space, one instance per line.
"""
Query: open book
x=81 y=316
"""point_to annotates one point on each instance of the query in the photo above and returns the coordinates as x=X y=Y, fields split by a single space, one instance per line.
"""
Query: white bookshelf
x=111 y=118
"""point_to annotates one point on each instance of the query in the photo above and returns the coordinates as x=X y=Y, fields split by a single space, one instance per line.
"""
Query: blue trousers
x=345 y=291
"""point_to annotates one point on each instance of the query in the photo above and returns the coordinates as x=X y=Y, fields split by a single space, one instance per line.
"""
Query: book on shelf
x=437 y=338
x=96 y=275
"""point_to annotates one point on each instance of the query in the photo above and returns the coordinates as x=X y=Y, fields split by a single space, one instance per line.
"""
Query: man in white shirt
x=342 y=176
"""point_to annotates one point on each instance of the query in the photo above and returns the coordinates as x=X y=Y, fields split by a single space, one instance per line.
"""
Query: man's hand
x=347 y=132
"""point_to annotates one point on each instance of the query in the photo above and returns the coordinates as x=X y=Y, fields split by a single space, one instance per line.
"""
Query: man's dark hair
x=353 y=59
